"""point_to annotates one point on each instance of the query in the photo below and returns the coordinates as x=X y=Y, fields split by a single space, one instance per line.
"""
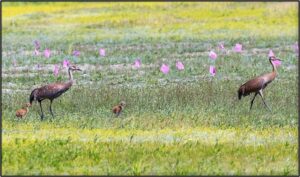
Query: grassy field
x=181 y=123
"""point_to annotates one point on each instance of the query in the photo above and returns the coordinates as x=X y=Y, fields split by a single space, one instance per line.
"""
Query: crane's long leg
x=253 y=100
x=42 y=114
x=51 y=108
x=262 y=97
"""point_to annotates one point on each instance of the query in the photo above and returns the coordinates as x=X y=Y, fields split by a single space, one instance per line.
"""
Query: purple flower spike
x=238 y=47
x=277 y=63
x=47 y=53
x=66 y=63
x=137 y=63
x=213 y=55
x=212 y=70
x=55 y=70
x=76 y=53
x=164 y=69
x=102 y=52
x=179 y=65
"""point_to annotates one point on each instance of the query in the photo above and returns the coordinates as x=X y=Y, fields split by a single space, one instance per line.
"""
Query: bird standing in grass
x=21 y=113
x=118 y=109
x=52 y=91
x=258 y=84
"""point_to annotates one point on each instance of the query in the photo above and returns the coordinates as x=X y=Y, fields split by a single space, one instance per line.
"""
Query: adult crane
x=258 y=84
x=52 y=91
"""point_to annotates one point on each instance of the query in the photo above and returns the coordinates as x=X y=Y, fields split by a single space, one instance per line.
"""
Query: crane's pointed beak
x=78 y=69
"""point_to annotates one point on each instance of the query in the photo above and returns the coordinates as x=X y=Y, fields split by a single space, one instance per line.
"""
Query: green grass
x=183 y=123
x=185 y=152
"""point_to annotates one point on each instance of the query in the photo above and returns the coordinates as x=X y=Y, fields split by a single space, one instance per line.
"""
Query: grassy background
x=186 y=122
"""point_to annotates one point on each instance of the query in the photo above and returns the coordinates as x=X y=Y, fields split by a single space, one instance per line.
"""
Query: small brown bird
x=258 y=84
x=118 y=109
x=21 y=113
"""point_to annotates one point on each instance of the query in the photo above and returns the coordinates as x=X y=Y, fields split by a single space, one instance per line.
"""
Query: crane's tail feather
x=32 y=96
x=240 y=95
x=241 y=92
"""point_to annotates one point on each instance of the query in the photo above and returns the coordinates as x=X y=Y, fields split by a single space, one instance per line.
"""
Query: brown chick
x=118 y=109
x=21 y=113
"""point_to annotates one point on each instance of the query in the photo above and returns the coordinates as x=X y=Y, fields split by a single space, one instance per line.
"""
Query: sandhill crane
x=21 y=113
x=52 y=91
x=118 y=109
x=257 y=84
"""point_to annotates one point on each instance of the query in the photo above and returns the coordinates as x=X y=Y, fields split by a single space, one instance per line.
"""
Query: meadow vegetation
x=182 y=123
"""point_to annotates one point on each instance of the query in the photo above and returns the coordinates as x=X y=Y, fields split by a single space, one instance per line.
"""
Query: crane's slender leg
x=253 y=100
x=42 y=114
x=51 y=109
x=262 y=97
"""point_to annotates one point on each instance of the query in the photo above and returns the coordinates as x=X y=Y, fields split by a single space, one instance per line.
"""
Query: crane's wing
x=53 y=90
x=253 y=85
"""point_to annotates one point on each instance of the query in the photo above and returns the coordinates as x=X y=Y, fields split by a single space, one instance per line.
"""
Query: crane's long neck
x=70 y=82
x=70 y=75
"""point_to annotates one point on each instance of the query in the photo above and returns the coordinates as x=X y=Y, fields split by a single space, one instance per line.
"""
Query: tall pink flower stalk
x=47 y=53
x=66 y=63
x=102 y=52
x=179 y=65
x=238 y=47
x=212 y=70
x=164 y=69
x=76 y=53
x=277 y=63
x=137 y=63
x=213 y=55
x=55 y=70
